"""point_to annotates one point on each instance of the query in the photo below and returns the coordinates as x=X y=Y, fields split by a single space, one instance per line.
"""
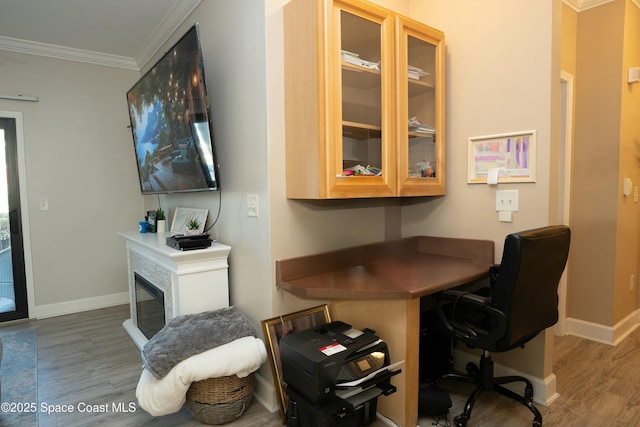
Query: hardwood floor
x=599 y=385
x=88 y=358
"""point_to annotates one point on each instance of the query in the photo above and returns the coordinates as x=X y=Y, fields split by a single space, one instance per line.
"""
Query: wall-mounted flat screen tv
x=171 y=123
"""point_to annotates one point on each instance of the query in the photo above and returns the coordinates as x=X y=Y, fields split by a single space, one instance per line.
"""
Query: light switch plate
x=252 y=205
x=507 y=200
x=627 y=184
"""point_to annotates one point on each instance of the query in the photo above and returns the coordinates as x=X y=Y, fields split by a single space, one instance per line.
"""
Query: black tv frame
x=171 y=122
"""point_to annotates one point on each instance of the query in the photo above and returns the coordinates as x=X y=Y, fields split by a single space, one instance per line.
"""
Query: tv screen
x=171 y=123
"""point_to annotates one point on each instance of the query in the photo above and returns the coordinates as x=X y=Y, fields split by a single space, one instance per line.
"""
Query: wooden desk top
x=402 y=269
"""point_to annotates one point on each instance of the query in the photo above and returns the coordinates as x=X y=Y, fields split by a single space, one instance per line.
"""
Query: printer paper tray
x=374 y=376
x=365 y=396
x=373 y=387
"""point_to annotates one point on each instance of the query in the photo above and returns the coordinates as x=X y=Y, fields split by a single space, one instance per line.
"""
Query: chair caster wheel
x=460 y=421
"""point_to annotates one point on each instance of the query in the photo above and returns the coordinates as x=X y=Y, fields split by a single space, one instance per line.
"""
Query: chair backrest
x=526 y=288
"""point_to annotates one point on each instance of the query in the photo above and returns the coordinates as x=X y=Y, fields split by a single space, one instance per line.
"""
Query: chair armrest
x=494 y=271
x=470 y=317
x=453 y=295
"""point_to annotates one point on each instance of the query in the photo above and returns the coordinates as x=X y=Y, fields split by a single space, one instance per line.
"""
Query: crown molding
x=176 y=16
x=582 y=5
x=590 y=4
x=573 y=4
x=61 y=52
x=170 y=23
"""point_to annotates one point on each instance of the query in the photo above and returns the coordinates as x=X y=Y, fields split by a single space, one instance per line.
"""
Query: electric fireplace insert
x=149 y=306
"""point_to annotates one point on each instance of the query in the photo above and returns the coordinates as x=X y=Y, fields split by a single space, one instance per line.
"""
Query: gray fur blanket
x=191 y=334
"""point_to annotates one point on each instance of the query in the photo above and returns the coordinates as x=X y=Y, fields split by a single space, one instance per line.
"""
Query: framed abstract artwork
x=502 y=158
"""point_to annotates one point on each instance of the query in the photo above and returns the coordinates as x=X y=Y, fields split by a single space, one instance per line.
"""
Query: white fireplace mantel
x=192 y=281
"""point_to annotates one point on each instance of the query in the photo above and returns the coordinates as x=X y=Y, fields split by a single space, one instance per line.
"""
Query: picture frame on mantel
x=503 y=158
x=276 y=328
x=182 y=216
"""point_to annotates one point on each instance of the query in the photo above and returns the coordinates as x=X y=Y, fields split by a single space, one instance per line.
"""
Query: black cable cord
x=218 y=214
x=438 y=419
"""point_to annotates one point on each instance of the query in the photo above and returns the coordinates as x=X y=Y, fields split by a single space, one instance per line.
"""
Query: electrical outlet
x=44 y=204
x=252 y=205
x=507 y=200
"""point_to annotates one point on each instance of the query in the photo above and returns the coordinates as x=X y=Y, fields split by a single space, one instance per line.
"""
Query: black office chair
x=520 y=302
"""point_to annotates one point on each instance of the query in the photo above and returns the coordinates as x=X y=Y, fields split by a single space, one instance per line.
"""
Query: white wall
x=78 y=155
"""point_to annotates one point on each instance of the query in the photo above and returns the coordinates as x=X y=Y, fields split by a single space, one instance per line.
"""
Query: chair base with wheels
x=484 y=380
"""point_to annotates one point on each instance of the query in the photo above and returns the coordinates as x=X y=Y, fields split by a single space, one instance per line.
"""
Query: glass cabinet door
x=420 y=110
x=364 y=164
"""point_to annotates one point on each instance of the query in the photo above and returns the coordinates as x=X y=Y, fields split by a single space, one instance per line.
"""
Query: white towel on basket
x=167 y=395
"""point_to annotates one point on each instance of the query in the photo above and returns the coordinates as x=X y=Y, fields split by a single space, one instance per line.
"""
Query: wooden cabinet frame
x=406 y=28
x=316 y=96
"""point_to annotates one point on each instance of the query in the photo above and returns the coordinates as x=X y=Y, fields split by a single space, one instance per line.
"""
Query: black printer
x=334 y=375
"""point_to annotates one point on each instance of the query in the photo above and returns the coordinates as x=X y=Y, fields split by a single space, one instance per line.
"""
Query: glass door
x=421 y=109
x=13 y=291
x=363 y=69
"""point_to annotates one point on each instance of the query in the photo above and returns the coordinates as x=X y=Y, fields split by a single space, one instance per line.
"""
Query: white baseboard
x=544 y=389
x=76 y=306
x=601 y=333
x=265 y=393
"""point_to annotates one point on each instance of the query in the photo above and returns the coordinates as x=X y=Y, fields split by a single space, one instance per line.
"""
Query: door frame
x=564 y=203
x=24 y=208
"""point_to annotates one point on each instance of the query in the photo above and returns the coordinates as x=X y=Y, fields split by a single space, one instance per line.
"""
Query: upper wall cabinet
x=364 y=100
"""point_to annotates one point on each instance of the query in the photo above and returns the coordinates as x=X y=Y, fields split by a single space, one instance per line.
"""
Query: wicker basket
x=220 y=400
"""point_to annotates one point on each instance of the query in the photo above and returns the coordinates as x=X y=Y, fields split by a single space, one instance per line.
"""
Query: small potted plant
x=161 y=221
x=193 y=226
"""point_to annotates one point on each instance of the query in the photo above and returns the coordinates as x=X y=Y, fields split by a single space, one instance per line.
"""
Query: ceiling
x=122 y=33
x=119 y=33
